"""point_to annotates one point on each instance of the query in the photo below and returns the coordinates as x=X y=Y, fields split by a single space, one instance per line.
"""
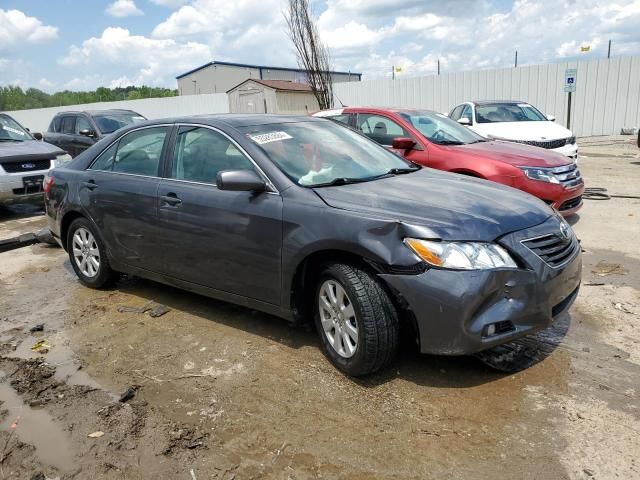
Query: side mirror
x=37 y=136
x=403 y=143
x=240 y=181
x=464 y=121
x=551 y=118
x=87 y=132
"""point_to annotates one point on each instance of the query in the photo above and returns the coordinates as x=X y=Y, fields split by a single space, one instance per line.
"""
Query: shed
x=272 y=96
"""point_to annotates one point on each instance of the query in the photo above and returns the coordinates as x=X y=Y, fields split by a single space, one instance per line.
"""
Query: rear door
x=229 y=241
x=120 y=193
x=67 y=132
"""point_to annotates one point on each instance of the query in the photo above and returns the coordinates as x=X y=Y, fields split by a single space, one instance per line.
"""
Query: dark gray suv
x=305 y=219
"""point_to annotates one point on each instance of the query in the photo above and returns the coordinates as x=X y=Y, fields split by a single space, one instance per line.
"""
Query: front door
x=121 y=195
x=229 y=241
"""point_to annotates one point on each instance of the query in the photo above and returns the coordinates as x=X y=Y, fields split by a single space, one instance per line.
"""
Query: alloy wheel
x=85 y=252
x=338 y=318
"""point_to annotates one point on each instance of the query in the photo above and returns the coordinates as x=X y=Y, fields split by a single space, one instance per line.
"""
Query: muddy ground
x=223 y=392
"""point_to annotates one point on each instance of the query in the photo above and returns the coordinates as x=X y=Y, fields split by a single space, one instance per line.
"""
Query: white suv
x=516 y=122
x=24 y=161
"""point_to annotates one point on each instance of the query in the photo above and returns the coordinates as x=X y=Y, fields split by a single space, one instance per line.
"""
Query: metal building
x=272 y=96
x=219 y=77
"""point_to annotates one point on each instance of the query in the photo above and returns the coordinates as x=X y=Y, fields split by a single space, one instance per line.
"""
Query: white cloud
x=246 y=31
x=46 y=84
x=169 y=3
x=16 y=28
x=123 y=8
x=117 y=54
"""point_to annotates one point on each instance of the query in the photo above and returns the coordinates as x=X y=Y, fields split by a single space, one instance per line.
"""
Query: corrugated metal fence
x=38 y=119
x=607 y=96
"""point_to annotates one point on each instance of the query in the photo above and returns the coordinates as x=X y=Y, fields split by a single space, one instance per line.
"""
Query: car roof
x=242 y=119
x=495 y=102
x=97 y=112
x=376 y=109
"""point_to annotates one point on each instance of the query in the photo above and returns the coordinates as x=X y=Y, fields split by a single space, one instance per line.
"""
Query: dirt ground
x=222 y=392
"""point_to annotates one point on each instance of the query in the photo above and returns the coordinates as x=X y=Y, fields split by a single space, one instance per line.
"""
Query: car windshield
x=508 y=112
x=11 y=131
x=110 y=122
x=440 y=129
x=320 y=153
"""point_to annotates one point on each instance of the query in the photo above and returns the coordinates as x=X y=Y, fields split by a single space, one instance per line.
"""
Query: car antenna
x=341 y=104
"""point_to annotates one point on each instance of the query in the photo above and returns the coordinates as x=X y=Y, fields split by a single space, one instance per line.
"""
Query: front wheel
x=88 y=255
x=356 y=320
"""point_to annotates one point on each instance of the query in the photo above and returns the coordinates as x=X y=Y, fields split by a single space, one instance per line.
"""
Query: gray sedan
x=310 y=221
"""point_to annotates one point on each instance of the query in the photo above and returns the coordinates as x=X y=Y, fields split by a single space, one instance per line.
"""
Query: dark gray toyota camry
x=310 y=221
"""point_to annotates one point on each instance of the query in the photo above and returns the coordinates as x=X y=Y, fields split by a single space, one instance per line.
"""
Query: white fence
x=607 y=96
x=37 y=119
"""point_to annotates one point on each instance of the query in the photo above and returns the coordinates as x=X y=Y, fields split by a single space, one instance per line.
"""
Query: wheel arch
x=66 y=222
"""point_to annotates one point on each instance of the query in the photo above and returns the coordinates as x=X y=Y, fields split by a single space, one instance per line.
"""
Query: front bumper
x=12 y=188
x=570 y=150
x=454 y=308
x=567 y=200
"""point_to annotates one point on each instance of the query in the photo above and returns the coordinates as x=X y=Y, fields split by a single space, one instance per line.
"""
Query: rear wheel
x=356 y=320
x=88 y=255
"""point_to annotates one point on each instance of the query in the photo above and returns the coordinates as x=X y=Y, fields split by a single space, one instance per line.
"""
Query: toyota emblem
x=564 y=231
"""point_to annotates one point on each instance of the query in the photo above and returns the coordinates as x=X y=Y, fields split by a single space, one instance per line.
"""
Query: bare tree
x=312 y=53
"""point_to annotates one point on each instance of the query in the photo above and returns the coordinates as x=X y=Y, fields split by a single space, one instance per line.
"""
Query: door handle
x=171 y=199
x=91 y=185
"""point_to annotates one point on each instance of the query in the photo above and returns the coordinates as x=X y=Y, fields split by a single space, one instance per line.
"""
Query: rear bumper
x=453 y=309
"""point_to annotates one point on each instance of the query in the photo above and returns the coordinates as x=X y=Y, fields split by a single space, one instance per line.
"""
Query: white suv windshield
x=319 y=153
x=508 y=112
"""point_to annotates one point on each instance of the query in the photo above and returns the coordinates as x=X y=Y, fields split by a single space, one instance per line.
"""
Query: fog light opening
x=497 y=328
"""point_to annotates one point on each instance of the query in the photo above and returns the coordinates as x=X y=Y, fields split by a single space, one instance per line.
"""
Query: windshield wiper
x=10 y=140
x=400 y=171
x=342 y=181
x=480 y=140
x=450 y=142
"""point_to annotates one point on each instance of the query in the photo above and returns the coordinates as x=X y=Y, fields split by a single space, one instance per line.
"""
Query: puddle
x=36 y=427
x=59 y=356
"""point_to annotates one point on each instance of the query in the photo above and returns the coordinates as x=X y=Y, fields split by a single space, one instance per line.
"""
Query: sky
x=80 y=45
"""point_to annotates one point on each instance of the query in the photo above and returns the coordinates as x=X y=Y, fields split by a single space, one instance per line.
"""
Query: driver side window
x=380 y=129
x=466 y=113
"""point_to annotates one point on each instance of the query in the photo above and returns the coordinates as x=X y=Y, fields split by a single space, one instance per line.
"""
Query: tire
x=84 y=243
x=368 y=310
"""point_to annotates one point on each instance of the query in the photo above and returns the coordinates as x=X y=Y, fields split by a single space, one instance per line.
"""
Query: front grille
x=554 y=250
x=568 y=175
x=571 y=203
x=26 y=166
x=549 y=144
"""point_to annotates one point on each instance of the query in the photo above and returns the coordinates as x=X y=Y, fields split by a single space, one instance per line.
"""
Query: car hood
x=515 y=154
x=523 y=130
x=450 y=206
x=28 y=150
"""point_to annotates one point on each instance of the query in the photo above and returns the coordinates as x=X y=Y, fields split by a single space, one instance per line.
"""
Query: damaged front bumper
x=464 y=312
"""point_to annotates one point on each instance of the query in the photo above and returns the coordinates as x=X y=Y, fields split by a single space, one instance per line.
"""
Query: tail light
x=47 y=183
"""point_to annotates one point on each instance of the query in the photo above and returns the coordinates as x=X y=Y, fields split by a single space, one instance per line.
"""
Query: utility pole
x=609 y=51
x=195 y=83
x=393 y=72
x=438 y=66
x=515 y=62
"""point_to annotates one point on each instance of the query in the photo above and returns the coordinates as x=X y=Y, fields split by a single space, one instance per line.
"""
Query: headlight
x=571 y=140
x=461 y=255
x=61 y=160
x=540 y=174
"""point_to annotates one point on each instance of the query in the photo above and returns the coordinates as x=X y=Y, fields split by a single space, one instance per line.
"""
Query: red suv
x=434 y=140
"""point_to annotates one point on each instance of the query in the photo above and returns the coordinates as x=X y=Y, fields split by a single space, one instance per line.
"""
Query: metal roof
x=280 y=85
x=259 y=67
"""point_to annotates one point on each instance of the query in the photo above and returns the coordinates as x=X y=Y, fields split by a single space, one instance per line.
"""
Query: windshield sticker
x=523 y=105
x=270 y=137
x=138 y=119
x=13 y=130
